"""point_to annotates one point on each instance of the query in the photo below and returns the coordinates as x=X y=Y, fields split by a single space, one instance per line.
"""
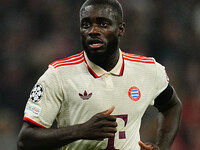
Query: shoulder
x=68 y=61
x=147 y=64
x=138 y=58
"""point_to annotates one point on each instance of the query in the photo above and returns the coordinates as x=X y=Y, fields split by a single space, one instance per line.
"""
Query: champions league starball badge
x=36 y=93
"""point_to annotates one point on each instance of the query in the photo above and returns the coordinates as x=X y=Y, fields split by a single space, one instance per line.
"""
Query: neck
x=107 y=62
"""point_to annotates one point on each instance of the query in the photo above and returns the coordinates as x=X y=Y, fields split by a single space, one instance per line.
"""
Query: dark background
x=33 y=33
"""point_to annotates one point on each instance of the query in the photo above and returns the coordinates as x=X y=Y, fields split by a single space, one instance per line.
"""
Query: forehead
x=95 y=11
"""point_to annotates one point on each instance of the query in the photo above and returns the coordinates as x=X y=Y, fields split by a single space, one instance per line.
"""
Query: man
x=99 y=96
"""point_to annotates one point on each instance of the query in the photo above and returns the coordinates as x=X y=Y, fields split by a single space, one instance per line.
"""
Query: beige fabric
x=72 y=95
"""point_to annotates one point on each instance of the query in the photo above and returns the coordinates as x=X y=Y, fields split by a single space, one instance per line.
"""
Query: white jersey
x=74 y=89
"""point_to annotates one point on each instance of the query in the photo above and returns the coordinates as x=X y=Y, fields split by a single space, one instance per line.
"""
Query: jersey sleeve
x=161 y=80
x=45 y=100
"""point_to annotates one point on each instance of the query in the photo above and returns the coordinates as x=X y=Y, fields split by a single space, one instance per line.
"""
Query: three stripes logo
x=134 y=93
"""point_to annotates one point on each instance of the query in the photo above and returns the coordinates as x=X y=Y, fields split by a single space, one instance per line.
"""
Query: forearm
x=100 y=126
x=40 y=138
x=168 y=125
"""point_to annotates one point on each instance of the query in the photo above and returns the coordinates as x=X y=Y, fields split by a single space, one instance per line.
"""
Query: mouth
x=95 y=43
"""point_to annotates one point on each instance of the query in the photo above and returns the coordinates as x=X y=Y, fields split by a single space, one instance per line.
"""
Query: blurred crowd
x=33 y=33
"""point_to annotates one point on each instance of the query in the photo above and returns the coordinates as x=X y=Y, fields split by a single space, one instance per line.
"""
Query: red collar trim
x=95 y=74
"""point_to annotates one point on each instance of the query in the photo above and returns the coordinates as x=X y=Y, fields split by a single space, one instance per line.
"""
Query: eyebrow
x=104 y=18
x=85 y=19
x=98 y=19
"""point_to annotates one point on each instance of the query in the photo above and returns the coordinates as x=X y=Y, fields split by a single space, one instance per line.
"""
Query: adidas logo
x=85 y=95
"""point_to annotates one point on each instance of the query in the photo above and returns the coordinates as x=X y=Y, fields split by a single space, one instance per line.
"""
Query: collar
x=97 y=71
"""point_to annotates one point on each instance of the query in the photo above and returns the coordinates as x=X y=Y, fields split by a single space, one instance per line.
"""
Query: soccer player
x=99 y=96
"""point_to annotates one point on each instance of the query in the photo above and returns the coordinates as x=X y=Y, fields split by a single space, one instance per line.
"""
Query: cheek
x=83 y=35
x=112 y=35
x=112 y=32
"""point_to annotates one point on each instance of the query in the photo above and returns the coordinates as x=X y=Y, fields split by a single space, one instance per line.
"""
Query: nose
x=94 y=31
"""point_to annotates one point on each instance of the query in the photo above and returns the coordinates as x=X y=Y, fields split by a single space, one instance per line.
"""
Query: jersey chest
x=85 y=95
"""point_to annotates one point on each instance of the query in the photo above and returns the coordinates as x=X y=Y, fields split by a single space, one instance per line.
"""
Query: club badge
x=134 y=93
x=36 y=93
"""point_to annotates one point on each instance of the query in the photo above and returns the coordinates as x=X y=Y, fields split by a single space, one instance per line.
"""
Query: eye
x=85 y=25
x=104 y=24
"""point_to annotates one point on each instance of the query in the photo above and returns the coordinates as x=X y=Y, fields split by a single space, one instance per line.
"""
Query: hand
x=148 y=146
x=100 y=126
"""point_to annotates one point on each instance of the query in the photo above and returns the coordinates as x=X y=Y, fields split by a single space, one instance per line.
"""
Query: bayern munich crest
x=134 y=93
x=36 y=93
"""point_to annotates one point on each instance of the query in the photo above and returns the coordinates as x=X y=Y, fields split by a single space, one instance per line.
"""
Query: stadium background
x=33 y=33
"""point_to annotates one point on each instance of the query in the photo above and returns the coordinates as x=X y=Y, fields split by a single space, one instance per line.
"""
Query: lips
x=95 y=43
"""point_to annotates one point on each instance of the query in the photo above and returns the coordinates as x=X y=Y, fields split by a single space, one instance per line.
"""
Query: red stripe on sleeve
x=33 y=122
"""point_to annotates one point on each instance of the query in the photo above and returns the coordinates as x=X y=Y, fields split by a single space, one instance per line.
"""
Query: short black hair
x=113 y=3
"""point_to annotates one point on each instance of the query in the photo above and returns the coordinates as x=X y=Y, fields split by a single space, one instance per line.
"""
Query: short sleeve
x=161 y=80
x=45 y=100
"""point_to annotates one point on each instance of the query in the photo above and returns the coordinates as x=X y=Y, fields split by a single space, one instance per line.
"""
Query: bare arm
x=100 y=126
x=169 y=118
x=169 y=123
x=32 y=137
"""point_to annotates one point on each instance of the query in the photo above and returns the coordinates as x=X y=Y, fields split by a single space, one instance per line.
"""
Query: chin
x=95 y=51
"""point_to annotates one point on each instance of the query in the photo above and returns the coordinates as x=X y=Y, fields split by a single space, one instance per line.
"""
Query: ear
x=121 y=29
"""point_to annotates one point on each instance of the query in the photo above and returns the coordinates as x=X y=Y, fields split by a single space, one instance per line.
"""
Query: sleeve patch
x=36 y=93
x=32 y=110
